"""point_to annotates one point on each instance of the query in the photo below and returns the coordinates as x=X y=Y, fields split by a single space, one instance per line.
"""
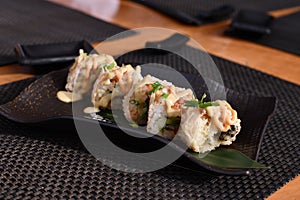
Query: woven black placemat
x=284 y=36
x=193 y=7
x=38 y=163
x=41 y=22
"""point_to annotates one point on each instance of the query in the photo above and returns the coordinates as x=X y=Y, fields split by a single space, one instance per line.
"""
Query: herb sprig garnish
x=156 y=86
x=110 y=66
x=164 y=95
x=200 y=103
x=134 y=125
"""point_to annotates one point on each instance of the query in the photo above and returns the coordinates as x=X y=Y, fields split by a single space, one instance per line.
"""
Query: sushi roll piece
x=113 y=84
x=205 y=127
x=126 y=75
x=130 y=78
x=225 y=118
x=86 y=69
x=165 y=110
x=136 y=102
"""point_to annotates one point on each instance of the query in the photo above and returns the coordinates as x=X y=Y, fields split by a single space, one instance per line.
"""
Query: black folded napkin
x=280 y=33
x=252 y=22
x=195 y=11
x=202 y=17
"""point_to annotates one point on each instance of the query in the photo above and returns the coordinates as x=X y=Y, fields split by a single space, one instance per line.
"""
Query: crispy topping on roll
x=223 y=116
x=204 y=129
x=136 y=102
x=86 y=69
x=117 y=81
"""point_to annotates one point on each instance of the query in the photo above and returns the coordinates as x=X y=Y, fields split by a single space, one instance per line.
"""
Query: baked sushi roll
x=130 y=78
x=112 y=84
x=86 y=69
x=165 y=110
x=136 y=102
x=206 y=126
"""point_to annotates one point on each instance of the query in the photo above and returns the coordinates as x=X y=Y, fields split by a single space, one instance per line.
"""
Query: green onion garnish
x=207 y=104
x=164 y=95
x=191 y=103
x=203 y=97
x=135 y=102
x=173 y=121
x=156 y=86
x=134 y=125
x=200 y=103
x=110 y=66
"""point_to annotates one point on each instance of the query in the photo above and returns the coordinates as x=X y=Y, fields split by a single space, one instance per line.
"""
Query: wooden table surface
x=130 y=15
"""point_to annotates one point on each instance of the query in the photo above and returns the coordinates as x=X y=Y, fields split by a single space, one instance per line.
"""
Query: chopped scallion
x=164 y=95
x=110 y=66
x=133 y=101
x=200 y=103
x=156 y=86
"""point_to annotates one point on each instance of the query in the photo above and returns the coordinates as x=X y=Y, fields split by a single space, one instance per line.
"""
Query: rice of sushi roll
x=165 y=110
x=136 y=102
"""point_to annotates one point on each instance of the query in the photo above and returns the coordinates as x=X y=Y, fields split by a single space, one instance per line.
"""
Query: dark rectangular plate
x=37 y=104
x=48 y=54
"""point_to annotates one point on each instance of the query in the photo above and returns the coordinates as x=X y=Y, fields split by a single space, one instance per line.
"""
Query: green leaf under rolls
x=227 y=158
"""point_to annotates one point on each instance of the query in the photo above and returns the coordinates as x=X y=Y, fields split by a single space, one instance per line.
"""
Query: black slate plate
x=37 y=104
x=45 y=58
x=46 y=54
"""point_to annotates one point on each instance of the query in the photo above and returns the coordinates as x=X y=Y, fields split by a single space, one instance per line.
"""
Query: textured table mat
x=38 y=163
x=192 y=7
x=41 y=22
x=285 y=34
